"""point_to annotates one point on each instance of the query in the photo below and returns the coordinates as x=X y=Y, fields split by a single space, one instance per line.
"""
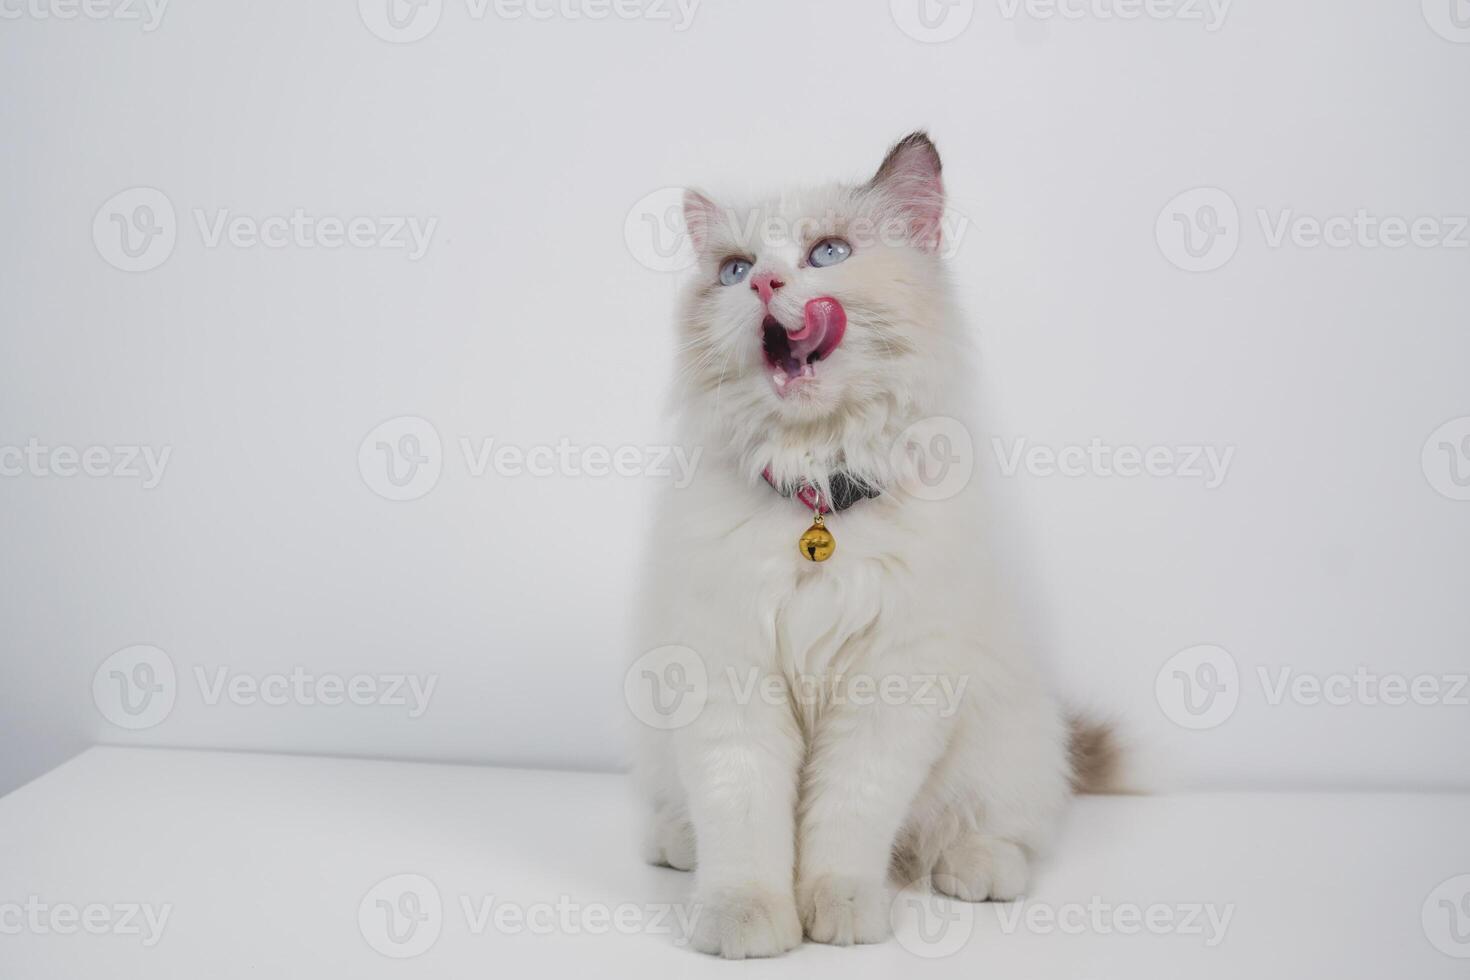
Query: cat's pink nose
x=765 y=285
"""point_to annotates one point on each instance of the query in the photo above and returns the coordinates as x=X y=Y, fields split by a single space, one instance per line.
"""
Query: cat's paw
x=744 y=921
x=976 y=868
x=670 y=842
x=842 y=910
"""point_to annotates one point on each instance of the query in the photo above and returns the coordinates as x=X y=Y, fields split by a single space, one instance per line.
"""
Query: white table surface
x=269 y=866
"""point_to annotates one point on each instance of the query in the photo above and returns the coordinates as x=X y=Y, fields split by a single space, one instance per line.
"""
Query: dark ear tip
x=918 y=138
x=915 y=143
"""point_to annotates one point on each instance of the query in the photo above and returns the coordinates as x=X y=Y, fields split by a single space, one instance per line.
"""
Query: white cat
x=854 y=723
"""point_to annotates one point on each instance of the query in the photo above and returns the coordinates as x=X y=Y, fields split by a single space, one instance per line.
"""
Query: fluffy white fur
x=798 y=812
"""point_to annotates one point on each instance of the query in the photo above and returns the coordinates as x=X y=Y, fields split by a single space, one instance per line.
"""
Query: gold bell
x=817 y=544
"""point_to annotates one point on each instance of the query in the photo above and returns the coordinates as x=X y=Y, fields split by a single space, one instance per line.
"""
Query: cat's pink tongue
x=824 y=321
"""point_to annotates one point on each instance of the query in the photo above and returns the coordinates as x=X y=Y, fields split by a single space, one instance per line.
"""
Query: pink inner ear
x=925 y=214
x=919 y=194
x=911 y=179
x=699 y=213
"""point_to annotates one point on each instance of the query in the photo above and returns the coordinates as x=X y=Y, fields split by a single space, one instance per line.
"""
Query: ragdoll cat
x=853 y=726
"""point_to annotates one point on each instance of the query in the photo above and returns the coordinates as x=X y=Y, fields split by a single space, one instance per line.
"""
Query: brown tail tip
x=1097 y=759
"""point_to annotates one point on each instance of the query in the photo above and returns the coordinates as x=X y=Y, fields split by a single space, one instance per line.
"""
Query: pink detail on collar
x=806 y=493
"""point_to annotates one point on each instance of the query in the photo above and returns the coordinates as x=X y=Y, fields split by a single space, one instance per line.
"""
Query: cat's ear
x=699 y=216
x=910 y=179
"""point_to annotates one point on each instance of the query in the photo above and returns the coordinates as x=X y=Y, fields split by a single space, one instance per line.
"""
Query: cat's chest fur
x=740 y=592
x=821 y=623
x=832 y=620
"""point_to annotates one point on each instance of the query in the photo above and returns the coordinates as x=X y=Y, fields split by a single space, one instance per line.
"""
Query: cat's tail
x=1097 y=756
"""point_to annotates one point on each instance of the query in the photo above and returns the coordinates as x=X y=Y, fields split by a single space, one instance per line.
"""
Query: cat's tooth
x=808 y=370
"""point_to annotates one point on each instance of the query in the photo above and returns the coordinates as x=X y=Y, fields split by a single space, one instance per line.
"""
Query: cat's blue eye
x=829 y=251
x=733 y=271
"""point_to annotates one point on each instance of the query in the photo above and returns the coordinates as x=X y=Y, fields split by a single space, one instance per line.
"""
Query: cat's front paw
x=841 y=910
x=979 y=869
x=669 y=842
x=744 y=921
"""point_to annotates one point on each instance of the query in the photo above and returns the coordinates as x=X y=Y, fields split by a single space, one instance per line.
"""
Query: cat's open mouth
x=792 y=356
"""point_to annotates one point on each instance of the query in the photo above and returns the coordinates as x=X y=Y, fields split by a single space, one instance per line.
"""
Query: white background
x=531 y=320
